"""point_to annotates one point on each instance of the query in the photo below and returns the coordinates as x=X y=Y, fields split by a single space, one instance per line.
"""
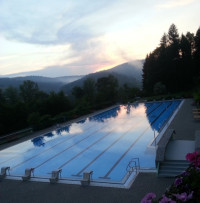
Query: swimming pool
x=104 y=143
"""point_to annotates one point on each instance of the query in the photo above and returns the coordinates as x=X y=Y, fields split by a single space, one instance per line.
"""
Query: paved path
x=18 y=191
x=35 y=192
x=184 y=123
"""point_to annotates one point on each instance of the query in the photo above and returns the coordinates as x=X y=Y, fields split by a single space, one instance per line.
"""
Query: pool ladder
x=133 y=165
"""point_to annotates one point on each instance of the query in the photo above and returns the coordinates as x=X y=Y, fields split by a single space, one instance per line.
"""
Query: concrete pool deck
x=18 y=191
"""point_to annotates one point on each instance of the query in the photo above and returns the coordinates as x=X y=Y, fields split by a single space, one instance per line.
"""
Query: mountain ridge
x=129 y=73
x=126 y=73
x=46 y=84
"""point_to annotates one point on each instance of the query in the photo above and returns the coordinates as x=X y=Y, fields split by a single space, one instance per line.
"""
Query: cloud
x=173 y=4
x=82 y=34
x=57 y=71
x=61 y=22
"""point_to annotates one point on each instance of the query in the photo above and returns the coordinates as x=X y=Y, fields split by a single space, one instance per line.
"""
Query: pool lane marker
x=66 y=148
x=61 y=141
x=93 y=133
x=56 y=145
x=63 y=150
x=65 y=140
x=91 y=162
x=78 y=174
x=94 y=144
x=123 y=155
x=88 y=147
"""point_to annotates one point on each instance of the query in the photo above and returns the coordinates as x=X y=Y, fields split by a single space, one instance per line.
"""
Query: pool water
x=104 y=143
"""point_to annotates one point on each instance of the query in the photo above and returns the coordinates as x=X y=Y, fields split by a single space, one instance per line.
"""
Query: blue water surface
x=104 y=143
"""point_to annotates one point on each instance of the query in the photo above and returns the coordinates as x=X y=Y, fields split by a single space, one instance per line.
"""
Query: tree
x=185 y=47
x=2 y=98
x=77 y=92
x=159 y=88
x=107 y=88
x=11 y=95
x=190 y=38
x=173 y=35
x=164 y=42
x=175 y=63
x=148 y=76
x=57 y=103
x=29 y=91
x=89 y=89
x=186 y=65
x=197 y=52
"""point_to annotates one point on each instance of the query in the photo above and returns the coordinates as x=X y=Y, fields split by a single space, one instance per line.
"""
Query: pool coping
x=166 y=125
x=125 y=183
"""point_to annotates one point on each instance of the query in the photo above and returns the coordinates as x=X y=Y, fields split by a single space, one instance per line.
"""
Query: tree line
x=28 y=106
x=174 y=65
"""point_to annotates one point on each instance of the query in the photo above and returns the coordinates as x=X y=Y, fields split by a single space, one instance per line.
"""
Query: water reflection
x=49 y=134
x=128 y=109
x=113 y=113
x=81 y=121
x=135 y=105
x=158 y=113
x=63 y=131
x=125 y=133
x=38 y=141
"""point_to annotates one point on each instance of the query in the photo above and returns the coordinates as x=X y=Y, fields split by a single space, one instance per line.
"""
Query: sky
x=77 y=37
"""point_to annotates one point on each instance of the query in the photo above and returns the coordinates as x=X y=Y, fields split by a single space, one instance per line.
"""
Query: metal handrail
x=130 y=168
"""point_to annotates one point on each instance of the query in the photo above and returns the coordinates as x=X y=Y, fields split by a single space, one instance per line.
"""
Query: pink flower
x=148 y=198
x=185 y=173
x=166 y=200
x=190 y=196
x=197 y=163
x=178 y=181
x=183 y=196
x=191 y=157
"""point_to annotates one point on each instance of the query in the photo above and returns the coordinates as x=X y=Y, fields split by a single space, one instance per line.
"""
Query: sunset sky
x=75 y=37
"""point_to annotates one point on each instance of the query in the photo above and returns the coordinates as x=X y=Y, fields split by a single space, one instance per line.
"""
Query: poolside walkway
x=18 y=191
x=184 y=123
x=184 y=140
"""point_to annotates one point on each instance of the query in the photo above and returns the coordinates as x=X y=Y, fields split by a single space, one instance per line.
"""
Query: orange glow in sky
x=53 y=38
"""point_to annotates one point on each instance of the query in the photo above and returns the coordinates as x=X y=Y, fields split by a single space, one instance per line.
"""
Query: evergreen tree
x=29 y=91
x=107 y=89
x=174 y=64
x=197 y=53
x=11 y=95
x=164 y=42
x=89 y=89
x=173 y=35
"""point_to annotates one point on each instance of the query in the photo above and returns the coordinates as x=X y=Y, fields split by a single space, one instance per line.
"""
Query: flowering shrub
x=148 y=198
x=193 y=158
x=186 y=187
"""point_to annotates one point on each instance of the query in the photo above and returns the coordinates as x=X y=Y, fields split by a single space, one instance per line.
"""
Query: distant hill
x=129 y=73
x=44 y=83
x=126 y=73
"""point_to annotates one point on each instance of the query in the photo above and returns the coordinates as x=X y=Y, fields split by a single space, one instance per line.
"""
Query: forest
x=174 y=65
x=28 y=106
